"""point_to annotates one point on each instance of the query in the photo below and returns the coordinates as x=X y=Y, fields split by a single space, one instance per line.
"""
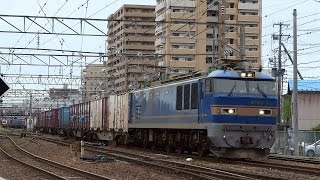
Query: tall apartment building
x=94 y=79
x=232 y=15
x=179 y=41
x=194 y=34
x=131 y=59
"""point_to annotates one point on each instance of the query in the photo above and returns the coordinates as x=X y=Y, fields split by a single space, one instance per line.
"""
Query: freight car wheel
x=202 y=152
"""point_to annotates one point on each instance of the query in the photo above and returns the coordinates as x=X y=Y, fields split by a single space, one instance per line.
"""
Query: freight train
x=228 y=113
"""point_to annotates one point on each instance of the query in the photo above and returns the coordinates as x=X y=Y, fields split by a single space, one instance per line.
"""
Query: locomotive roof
x=236 y=74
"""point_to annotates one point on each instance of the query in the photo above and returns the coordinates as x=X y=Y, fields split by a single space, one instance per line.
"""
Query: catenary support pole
x=295 y=86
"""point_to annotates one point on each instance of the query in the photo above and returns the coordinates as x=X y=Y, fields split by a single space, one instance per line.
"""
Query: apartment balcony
x=250 y=6
x=244 y=18
x=182 y=64
x=234 y=58
x=231 y=1
x=141 y=38
x=138 y=30
x=209 y=41
x=231 y=22
x=180 y=3
x=252 y=42
x=252 y=30
x=183 y=51
x=139 y=14
x=120 y=80
x=231 y=11
x=181 y=27
x=182 y=15
x=139 y=46
x=231 y=35
x=185 y=39
x=252 y=53
x=212 y=7
x=212 y=19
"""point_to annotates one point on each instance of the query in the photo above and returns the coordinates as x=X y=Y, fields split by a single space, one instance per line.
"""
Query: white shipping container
x=111 y=111
x=118 y=112
x=96 y=114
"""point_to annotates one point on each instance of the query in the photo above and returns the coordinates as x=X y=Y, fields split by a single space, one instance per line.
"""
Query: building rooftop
x=305 y=85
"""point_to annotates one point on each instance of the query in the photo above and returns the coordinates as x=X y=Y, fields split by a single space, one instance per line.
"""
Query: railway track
x=278 y=166
x=295 y=159
x=207 y=173
x=50 y=168
x=197 y=172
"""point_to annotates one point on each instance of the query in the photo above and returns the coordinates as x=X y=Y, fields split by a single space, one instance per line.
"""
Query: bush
x=316 y=128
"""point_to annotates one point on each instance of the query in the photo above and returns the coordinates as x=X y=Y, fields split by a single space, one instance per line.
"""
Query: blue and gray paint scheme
x=156 y=107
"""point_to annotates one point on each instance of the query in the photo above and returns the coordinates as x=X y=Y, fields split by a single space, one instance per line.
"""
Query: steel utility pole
x=280 y=73
x=295 y=86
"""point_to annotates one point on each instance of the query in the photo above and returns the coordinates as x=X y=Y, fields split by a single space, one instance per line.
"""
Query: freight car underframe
x=98 y=135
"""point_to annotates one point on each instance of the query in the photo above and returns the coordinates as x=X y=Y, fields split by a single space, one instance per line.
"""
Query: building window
x=179 y=98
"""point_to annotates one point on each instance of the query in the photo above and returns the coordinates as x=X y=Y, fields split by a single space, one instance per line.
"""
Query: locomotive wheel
x=168 y=149
x=153 y=147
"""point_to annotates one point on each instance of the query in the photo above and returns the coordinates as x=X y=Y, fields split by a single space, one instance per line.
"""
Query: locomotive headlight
x=231 y=111
x=265 y=112
x=228 y=111
x=261 y=112
x=247 y=74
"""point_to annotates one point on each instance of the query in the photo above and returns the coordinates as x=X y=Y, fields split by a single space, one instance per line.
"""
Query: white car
x=313 y=149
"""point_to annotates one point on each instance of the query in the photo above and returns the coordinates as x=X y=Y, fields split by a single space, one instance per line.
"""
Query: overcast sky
x=274 y=11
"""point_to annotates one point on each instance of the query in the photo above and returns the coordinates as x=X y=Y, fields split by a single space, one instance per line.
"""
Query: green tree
x=316 y=128
x=286 y=107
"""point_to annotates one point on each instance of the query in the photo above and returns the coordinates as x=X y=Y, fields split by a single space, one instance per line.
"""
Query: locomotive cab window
x=186 y=99
x=208 y=85
x=194 y=96
x=179 y=98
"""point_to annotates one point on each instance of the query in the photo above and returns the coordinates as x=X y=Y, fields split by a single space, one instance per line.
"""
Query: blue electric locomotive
x=230 y=113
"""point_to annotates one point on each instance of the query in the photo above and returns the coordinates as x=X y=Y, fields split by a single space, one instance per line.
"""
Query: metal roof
x=305 y=85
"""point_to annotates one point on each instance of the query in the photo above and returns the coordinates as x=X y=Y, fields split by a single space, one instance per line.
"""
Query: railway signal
x=3 y=87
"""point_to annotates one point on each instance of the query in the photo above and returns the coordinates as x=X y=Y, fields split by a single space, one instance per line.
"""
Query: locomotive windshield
x=241 y=86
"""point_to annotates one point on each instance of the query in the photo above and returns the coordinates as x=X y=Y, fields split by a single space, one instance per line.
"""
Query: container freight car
x=109 y=117
x=54 y=124
x=79 y=121
x=17 y=122
x=48 y=121
x=64 y=117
